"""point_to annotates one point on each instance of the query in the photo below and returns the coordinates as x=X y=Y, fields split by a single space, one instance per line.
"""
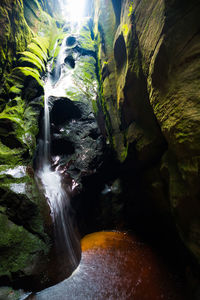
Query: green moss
x=125 y=29
x=30 y=129
x=55 y=47
x=18 y=129
x=13 y=113
x=30 y=58
x=11 y=155
x=108 y=26
x=23 y=82
x=14 y=34
x=101 y=97
x=120 y=146
x=84 y=83
x=25 y=128
x=13 y=80
x=35 y=49
x=130 y=9
x=2 y=54
x=42 y=42
x=85 y=79
x=32 y=12
x=15 y=90
x=13 y=116
x=22 y=73
x=85 y=40
x=19 y=190
x=21 y=32
x=18 y=247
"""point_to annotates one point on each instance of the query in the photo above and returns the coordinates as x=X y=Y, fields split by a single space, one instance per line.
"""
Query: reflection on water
x=116 y=266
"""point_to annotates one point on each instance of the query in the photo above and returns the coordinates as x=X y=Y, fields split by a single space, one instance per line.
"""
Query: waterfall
x=47 y=88
x=66 y=242
x=59 y=203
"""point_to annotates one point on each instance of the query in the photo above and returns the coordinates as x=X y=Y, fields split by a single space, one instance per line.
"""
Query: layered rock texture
x=135 y=68
x=23 y=60
x=29 y=33
x=149 y=63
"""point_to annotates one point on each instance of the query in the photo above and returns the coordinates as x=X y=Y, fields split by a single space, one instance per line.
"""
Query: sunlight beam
x=76 y=10
x=73 y=9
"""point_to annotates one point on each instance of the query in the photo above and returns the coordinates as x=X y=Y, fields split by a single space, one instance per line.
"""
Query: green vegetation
x=120 y=145
x=19 y=248
x=35 y=49
x=11 y=155
x=14 y=34
x=85 y=78
x=130 y=9
x=23 y=122
x=24 y=53
x=27 y=58
x=125 y=29
x=85 y=40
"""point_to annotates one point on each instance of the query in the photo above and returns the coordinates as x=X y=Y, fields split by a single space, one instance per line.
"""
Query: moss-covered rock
x=18 y=190
x=24 y=53
x=77 y=66
x=30 y=58
x=37 y=18
x=149 y=65
x=35 y=49
x=175 y=99
x=85 y=37
x=18 y=129
x=84 y=79
x=19 y=248
x=14 y=33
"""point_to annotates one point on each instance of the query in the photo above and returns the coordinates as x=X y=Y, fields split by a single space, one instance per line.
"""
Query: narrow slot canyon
x=99 y=150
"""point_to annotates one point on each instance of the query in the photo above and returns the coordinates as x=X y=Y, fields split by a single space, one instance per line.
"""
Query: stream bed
x=116 y=266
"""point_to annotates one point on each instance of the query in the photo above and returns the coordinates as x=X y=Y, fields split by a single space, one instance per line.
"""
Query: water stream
x=116 y=266
x=66 y=240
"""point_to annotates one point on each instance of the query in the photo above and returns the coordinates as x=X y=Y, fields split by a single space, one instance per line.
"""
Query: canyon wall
x=149 y=63
x=26 y=36
x=31 y=37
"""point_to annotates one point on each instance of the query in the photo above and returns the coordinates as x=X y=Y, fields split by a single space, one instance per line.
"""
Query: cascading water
x=46 y=123
x=66 y=242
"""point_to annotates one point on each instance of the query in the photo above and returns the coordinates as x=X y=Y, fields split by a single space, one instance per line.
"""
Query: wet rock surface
x=148 y=61
x=23 y=241
x=77 y=146
x=23 y=58
x=151 y=99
